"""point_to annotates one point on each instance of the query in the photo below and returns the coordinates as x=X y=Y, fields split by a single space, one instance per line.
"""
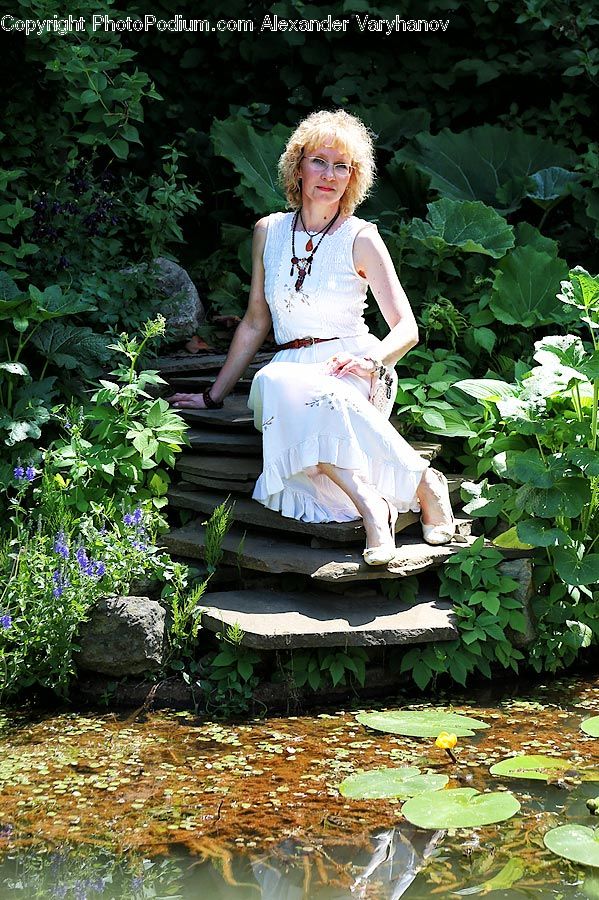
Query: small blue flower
x=19 y=473
x=137 y=882
x=5 y=621
x=99 y=569
x=138 y=516
x=59 y=890
x=68 y=426
x=60 y=545
x=30 y=473
x=128 y=519
x=82 y=558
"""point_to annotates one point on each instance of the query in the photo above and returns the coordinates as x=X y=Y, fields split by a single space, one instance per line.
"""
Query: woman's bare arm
x=249 y=334
x=373 y=260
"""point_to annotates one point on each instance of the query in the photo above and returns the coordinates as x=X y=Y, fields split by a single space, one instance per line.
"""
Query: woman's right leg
x=434 y=499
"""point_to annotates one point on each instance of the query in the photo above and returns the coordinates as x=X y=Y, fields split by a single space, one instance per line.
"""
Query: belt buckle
x=312 y=341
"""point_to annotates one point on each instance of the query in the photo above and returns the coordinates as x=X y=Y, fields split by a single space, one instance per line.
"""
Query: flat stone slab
x=202 y=362
x=235 y=414
x=234 y=468
x=274 y=620
x=250 y=512
x=264 y=553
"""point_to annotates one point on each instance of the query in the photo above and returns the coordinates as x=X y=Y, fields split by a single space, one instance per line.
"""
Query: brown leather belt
x=302 y=342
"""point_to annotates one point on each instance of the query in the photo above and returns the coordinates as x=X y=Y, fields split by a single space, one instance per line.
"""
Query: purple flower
x=59 y=890
x=138 y=544
x=82 y=558
x=60 y=545
x=60 y=582
x=30 y=473
x=137 y=882
x=138 y=515
x=128 y=519
x=19 y=473
x=5 y=621
x=99 y=569
x=68 y=426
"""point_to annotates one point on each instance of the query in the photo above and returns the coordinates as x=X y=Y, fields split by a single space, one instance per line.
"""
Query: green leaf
x=550 y=184
x=428 y=723
x=254 y=157
x=576 y=571
x=71 y=346
x=578 y=843
x=486 y=388
x=591 y=726
x=509 y=540
x=381 y=783
x=540 y=768
x=120 y=148
x=505 y=878
x=469 y=225
x=15 y=368
x=525 y=287
x=534 y=533
x=473 y=164
x=459 y=808
x=529 y=467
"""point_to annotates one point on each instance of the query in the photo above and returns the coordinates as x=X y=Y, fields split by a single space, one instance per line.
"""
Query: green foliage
x=470 y=226
x=53 y=567
x=487 y=163
x=429 y=723
x=324 y=665
x=426 y=400
x=228 y=679
x=591 y=726
x=121 y=440
x=541 y=768
x=382 y=783
x=578 y=843
x=486 y=614
x=459 y=808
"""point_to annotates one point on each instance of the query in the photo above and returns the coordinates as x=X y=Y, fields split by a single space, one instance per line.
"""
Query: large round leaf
x=428 y=723
x=576 y=571
x=540 y=768
x=575 y=842
x=470 y=225
x=591 y=726
x=459 y=808
x=524 y=289
x=403 y=783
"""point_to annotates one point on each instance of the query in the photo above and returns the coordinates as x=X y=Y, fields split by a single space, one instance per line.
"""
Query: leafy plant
x=578 y=843
x=53 y=567
x=541 y=768
x=131 y=436
x=317 y=667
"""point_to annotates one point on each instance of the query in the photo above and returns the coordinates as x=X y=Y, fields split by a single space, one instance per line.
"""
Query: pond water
x=104 y=805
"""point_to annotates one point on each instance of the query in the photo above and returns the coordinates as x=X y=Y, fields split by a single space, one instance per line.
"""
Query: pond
x=105 y=805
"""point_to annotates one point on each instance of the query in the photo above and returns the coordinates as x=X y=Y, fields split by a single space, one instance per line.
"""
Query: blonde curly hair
x=332 y=128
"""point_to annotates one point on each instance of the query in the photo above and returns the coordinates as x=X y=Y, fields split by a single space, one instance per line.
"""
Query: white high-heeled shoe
x=384 y=553
x=442 y=532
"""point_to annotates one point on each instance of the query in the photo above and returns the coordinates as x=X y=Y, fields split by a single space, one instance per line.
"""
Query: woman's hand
x=343 y=363
x=186 y=401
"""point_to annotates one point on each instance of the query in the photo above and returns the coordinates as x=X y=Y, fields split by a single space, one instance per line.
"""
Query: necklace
x=310 y=245
x=304 y=264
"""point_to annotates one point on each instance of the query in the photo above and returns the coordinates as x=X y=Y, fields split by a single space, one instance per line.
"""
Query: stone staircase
x=289 y=583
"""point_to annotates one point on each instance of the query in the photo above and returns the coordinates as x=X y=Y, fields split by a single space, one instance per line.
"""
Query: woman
x=329 y=453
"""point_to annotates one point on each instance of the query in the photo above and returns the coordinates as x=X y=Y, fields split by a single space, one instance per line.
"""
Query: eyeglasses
x=317 y=164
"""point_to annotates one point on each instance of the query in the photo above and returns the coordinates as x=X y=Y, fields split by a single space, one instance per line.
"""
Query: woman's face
x=322 y=172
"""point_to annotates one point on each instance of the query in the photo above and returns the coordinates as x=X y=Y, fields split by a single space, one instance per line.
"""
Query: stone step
x=277 y=620
x=244 y=468
x=209 y=440
x=248 y=512
x=186 y=363
x=270 y=553
x=234 y=414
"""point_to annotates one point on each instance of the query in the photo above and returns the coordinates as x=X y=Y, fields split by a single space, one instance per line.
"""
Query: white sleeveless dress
x=307 y=416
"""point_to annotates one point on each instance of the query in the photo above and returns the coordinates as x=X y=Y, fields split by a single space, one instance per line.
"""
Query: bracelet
x=209 y=402
x=378 y=366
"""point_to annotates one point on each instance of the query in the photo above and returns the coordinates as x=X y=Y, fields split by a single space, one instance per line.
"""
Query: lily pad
x=421 y=724
x=541 y=768
x=591 y=726
x=380 y=783
x=574 y=842
x=459 y=808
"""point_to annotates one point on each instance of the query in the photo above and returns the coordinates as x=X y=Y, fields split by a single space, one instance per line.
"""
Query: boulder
x=182 y=308
x=123 y=636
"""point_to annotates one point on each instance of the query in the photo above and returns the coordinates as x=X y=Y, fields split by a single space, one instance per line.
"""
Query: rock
x=521 y=571
x=183 y=308
x=123 y=636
